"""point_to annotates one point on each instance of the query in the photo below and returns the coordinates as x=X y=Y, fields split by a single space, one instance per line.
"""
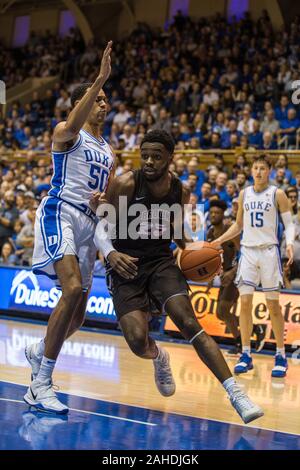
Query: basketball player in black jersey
x=229 y=293
x=143 y=270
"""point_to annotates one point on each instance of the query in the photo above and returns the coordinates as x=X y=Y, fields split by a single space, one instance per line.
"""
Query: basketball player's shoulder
x=63 y=138
x=280 y=197
x=124 y=182
x=279 y=192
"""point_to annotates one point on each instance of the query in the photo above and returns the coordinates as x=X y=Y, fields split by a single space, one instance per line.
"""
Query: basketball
x=201 y=265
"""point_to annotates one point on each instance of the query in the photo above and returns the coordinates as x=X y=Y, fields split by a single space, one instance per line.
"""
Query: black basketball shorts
x=158 y=279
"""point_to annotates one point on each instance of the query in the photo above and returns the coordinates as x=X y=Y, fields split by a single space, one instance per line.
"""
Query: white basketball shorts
x=61 y=229
x=260 y=266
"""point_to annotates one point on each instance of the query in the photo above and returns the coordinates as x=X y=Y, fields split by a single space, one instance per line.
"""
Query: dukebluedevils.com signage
x=21 y=290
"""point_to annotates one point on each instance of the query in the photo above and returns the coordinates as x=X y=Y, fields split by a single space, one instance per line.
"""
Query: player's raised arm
x=235 y=228
x=68 y=130
x=285 y=212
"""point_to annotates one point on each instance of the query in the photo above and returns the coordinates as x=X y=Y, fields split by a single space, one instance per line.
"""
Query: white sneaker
x=247 y=410
x=42 y=396
x=33 y=359
x=163 y=374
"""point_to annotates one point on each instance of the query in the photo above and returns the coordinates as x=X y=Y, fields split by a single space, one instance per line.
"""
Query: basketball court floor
x=114 y=403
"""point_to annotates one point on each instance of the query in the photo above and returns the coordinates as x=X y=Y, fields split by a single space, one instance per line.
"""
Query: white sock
x=230 y=386
x=40 y=348
x=160 y=354
x=247 y=350
x=280 y=351
x=46 y=369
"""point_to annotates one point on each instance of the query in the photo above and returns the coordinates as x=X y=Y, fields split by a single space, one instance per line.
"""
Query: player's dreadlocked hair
x=162 y=137
x=79 y=92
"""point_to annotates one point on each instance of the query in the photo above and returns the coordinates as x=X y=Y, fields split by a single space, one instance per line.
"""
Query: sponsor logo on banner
x=26 y=291
x=205 y=306
x=29 y=292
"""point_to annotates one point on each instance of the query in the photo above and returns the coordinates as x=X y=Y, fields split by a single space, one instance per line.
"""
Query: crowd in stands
x=211 y=83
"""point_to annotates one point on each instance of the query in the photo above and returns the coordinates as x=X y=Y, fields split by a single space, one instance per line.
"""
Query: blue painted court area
x=99 y=425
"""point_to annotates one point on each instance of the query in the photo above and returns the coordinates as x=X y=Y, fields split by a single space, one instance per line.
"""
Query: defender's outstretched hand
x=105 y=68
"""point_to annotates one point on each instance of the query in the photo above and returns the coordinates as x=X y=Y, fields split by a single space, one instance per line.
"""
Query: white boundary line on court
x=84 y=411
x=168 y=412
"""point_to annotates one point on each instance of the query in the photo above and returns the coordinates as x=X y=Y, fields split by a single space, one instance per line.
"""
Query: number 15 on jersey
x=257 y=219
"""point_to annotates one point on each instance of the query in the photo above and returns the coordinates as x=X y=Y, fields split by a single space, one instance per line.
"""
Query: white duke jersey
x=82 y=170
x=260 y=222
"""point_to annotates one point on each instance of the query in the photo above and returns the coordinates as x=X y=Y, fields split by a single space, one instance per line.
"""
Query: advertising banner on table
x=23 y=291
x=205 y=306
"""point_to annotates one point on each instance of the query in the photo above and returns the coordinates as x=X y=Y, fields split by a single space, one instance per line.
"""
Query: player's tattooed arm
x=181 y=242
x=67 y=131
x=235 y=229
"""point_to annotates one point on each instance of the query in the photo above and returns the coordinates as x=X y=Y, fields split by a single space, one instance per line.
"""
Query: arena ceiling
x=9 y=5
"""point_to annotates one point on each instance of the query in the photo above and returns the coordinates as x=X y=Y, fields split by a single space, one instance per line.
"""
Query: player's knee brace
x=245 y=289
x=272 y=295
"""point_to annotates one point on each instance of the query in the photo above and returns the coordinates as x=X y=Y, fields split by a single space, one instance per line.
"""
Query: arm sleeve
x=103 y=237
x=289 y=228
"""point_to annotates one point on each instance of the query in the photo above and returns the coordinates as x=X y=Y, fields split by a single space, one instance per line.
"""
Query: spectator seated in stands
x=255 y=138
x=281 y=111
x=292 y=194
x=25 y=239
x=220 y=187
x=268 y=141
x=289 y=126
x=205 y=194
x=232 y=191
x=226 y=138
x=280 y=181
x=282 y=162
x=7 y=256
x=181 y=169
x=8 y=215
x=269 y=124
x=192 y=169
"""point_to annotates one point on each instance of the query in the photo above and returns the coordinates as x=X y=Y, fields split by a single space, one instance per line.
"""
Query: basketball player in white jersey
x=65 y=226
x=260 y=262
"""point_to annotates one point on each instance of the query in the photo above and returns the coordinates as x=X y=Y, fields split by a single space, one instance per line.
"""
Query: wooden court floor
x=101 y=366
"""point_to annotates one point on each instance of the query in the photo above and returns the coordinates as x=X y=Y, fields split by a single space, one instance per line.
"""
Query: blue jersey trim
x=57 y=177
x=44 y=273
x=248 y=283
x=95 y=138
x=36 y=267
x=261 y=192
x=279 y=260
x=82 y=208
x=64 y=171
x=51 y=225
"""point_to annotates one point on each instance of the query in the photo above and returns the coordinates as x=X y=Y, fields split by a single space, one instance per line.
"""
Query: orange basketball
x=201 y=265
